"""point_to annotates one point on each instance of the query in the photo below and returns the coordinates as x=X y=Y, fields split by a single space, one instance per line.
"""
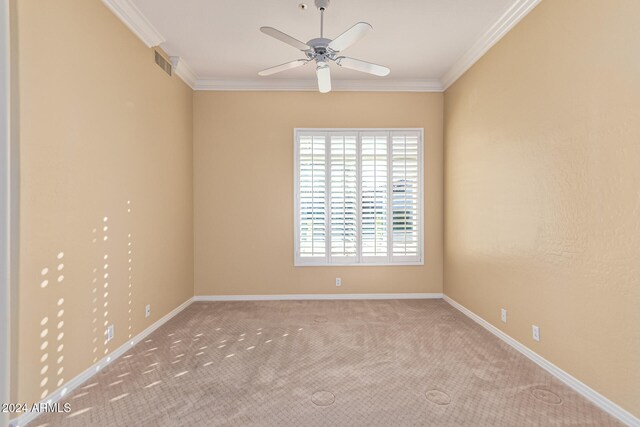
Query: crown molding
x=514 y=14
x=426 y=85
x=135 y=21
x=182 y=70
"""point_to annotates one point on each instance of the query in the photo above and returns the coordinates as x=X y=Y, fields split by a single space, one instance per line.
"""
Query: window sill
x=388 y=264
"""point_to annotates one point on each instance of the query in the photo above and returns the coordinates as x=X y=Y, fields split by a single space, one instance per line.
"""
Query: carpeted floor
x=324 y=363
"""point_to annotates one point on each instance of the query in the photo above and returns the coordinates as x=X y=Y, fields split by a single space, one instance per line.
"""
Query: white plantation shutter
x=312 y=197
x=343 y=198
x=358 y=197
x=375 y=194
x=405 y=199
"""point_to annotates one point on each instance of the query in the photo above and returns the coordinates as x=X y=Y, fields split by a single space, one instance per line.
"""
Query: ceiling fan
x=323 y=50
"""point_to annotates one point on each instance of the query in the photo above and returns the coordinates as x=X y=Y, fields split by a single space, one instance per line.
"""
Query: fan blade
x=284 y=38
x=324 y=78
x=283 y=67
x=350 y=36
x=365 y=67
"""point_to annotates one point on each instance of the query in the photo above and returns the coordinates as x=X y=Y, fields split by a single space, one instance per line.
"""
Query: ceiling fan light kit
x=323 y=51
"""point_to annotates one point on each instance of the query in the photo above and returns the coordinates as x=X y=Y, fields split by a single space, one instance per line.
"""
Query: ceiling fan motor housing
x=319 y=46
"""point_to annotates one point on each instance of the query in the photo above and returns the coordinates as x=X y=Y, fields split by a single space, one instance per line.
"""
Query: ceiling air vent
x=163 y=62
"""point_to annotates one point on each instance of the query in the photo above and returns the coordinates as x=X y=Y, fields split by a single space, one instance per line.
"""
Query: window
x=358 y=196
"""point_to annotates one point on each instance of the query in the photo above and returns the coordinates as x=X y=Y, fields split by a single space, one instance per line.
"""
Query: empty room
x=319 y=213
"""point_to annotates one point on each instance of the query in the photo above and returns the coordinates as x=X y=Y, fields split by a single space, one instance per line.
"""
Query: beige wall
x=243 y=190
x=542 y=180
x=100 y=125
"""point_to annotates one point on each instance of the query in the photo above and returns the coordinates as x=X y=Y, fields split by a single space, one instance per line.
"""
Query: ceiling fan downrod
x=322 y=5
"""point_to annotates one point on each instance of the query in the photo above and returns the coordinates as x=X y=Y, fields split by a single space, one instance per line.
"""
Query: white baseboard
x=313 y=297
x=586 y=391
x=72 y=384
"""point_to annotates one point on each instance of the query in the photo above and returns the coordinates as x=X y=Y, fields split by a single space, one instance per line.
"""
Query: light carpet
x=324 y=363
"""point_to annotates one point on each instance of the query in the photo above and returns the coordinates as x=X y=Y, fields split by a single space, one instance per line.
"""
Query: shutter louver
x=312 y=213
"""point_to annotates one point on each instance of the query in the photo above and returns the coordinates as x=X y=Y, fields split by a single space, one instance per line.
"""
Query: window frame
x=326 y=260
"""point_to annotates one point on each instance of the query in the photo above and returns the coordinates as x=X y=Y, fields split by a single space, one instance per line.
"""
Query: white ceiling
x=420 y=40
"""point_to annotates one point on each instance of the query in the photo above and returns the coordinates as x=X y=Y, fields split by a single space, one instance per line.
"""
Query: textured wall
x=100 y=126
x=243 y=190
x=542 y=178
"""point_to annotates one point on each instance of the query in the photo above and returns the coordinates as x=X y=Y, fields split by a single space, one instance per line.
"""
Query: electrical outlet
x=503 y=315
x=535 y=332
x=109 y=333
x=338 y=281
x=147 y=310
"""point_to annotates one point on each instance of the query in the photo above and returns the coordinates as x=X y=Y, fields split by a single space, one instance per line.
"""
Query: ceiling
x=426 y=43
